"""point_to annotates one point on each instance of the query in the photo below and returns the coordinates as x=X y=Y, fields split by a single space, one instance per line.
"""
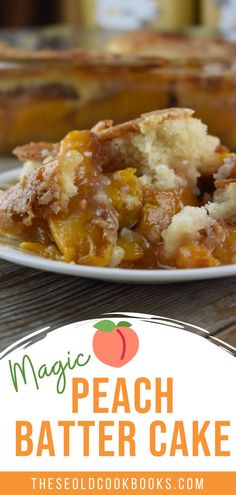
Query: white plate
x=17 y=256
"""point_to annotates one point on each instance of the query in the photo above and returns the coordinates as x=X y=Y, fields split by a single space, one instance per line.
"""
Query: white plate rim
x=17 y=256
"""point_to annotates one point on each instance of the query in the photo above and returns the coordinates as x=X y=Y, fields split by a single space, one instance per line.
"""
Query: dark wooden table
x=30 y=300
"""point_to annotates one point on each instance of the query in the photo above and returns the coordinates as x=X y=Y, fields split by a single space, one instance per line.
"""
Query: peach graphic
x=115 y=345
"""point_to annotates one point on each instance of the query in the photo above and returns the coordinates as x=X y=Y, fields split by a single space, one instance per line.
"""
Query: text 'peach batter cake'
x=156 y=192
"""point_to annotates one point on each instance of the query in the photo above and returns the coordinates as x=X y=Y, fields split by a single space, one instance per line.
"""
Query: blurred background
x=203 y=15
x=41 y=98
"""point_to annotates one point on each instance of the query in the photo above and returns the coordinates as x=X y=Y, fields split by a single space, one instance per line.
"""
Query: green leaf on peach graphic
x=124 y=324
x=105 y=325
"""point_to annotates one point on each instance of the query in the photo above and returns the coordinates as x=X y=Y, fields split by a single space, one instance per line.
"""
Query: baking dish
x=46 y=93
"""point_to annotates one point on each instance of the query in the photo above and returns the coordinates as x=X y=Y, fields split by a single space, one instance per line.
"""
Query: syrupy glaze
x=115 y=214
x=86 y=232
x=141 y=254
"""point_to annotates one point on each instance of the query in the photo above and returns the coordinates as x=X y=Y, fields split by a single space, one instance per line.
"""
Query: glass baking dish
x=44 y=93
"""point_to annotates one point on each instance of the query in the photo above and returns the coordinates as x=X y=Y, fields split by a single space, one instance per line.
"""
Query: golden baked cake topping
x=155 y=192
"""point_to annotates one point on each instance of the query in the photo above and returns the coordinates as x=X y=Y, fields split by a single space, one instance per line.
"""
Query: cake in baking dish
x=44 y=94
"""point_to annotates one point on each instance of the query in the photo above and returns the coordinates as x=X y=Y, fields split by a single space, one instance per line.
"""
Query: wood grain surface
x=30 y=300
